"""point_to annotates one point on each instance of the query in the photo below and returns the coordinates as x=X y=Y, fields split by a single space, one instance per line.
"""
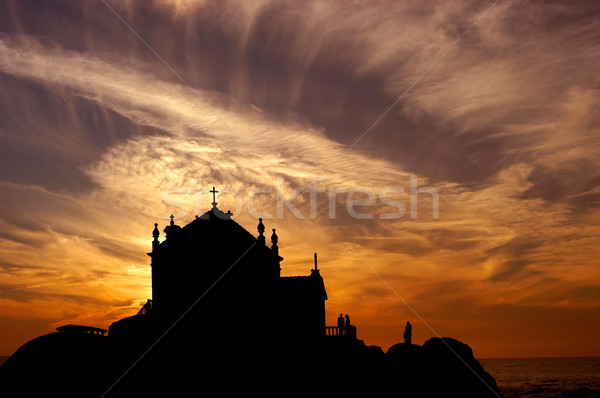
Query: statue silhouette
x=408 y=333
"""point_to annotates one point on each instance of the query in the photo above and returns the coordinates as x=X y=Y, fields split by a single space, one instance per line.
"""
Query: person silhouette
x=341 y=324
x=408 y=333
x=349 y=329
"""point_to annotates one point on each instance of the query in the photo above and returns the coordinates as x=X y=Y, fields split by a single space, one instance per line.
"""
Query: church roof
x=209 y=246
x=220 y=223
x=213 y=226
x=215 y=238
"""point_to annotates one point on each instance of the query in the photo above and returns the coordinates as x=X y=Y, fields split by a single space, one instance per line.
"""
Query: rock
x=71 y=364
x=455 y=369
x=440 y=368
x=90 y=365
x=403 y=351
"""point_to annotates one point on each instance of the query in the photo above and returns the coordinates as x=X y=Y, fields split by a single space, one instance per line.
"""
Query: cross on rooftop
x=214 y=202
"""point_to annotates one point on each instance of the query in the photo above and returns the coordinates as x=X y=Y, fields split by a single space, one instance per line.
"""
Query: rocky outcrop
x=57 y=363
x=441 y=367
x=65 y=365
x=453 y=363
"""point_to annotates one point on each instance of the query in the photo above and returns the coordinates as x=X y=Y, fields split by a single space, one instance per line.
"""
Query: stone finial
x=260 y=227
x=155 y=232
x=274 y=238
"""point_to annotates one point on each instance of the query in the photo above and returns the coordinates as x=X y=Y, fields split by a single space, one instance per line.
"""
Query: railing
x=349 y=331
x=79 y=329
x=333 y=331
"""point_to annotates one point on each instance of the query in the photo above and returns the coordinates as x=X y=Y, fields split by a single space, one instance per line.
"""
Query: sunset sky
x=116 y=114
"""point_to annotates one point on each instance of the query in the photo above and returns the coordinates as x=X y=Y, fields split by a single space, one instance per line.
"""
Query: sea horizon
x=545 y=377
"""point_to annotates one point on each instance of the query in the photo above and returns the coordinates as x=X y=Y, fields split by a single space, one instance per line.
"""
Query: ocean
x=546 y=377
x=540 y=377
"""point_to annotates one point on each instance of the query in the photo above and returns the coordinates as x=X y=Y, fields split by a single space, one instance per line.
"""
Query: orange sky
x=295 y=112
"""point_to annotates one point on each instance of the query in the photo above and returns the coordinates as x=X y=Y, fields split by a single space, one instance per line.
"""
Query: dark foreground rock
x=97 y=366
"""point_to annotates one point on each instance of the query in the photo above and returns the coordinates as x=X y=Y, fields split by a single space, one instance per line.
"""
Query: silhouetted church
x=221 y=281
x=223 y=319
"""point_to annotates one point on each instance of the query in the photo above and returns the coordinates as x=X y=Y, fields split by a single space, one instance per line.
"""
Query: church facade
x=221 y=281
